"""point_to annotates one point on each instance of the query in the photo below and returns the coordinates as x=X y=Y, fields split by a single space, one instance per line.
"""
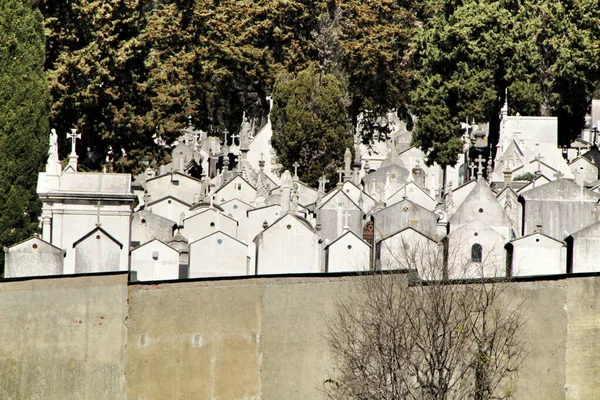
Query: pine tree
x=24 y=109
x=310 y=123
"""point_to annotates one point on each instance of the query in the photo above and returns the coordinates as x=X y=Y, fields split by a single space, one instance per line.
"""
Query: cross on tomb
x=225 y=137
x=322 y=182
x=73 y=136
x=472 y=168
x=346 y=215
x=558 y=175
x=480 y=160
x=295 y=165
x=233 y=137
x=340 y=171
x=538 y=158
x=261 y=163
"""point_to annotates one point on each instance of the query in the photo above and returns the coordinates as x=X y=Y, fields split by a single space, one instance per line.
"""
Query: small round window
x=349 y=247
x=219 y=241
x=34 y=246
x=143 y=221
x=476 y=234
x=481 y=210
x=235 y=206
x=98 y=237
x=212 y=224
x=289 y=226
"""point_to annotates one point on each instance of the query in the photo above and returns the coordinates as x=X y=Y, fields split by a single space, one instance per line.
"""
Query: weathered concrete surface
x=63 y=338
x=583 y=338
x=261 y=338
x=252 y=338
x=542 y=375
x=241 y=339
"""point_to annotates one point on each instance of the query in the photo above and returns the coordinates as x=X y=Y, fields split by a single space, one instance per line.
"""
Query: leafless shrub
x=414 y=334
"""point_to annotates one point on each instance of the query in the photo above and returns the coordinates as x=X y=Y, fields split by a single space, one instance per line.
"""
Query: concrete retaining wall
x=63 y=338
x=94 y=337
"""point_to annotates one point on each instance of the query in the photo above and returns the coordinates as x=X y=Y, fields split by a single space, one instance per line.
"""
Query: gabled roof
x=235 y=199
x=97 y=229
x=173 y=173
x=213 y=210
x=404 y=201
x=197 y=206
x=171 y=198
x=415 y=185
x=236 y=178
x=584 y=159
x=536 y=234
x=37 y=239
x=303 y=221
x=150 y=241
x=348 y=232
x=468 y=183
x=263 y=207
x=481 y=194
x=592 y=154
x=542 y=163
x=217 y=233
x=506 y=188
x=408 y=228
x=592 y=229
x=475 y=224
x=563 y=189
x=343 y=194
x=529 y=185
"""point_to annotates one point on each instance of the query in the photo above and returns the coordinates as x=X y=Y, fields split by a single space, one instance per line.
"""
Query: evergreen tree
x=375 y=38
x=95 y=65
x=310 y=123
x=469 y=53
x=24 y=109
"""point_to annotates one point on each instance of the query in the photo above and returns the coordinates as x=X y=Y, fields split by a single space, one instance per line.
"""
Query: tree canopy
x=126 y=72
x=469 y=53
x=24 y=109
x=310 y=123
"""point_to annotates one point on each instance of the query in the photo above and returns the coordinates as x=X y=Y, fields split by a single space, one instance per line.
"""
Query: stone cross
x=233 y=137
x=472 y=168
x=346 y=215
x=558 y=174
x=261 y=163
x=538 y=158
x=295 y=165
x=322 y=182
x=480 y=160
x=340 y=171
x=73 y=136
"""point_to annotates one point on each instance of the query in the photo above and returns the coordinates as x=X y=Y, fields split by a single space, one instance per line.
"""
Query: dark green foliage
x=97 y=76
x=310 y=123
x=468 y=53
x=24 y=109
x=123 y=71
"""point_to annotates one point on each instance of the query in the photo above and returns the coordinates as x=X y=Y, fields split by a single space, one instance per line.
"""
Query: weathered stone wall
x=63 y=338
x=260 y=338
x=251 y=338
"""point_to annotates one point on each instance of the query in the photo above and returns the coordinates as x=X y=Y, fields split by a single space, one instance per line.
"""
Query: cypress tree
x=24 y=110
